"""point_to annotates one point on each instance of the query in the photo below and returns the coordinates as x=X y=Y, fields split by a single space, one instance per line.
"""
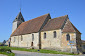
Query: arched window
x=14 y=39
x=21 y=38
x=44 y=35
x=68 y=37
x=54 y=34
x=32 y=37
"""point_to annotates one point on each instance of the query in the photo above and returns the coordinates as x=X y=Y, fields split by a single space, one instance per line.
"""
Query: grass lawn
x=8 y=54
x=3 y=50
x=36 y=50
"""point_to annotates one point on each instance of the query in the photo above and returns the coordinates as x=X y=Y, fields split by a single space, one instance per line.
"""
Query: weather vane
x=20 y=5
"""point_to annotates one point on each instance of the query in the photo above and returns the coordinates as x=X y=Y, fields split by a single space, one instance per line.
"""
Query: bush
x=5 y=50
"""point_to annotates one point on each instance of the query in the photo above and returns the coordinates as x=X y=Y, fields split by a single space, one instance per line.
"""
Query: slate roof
x=30 y=26
x=55 y=23
x=19 y=17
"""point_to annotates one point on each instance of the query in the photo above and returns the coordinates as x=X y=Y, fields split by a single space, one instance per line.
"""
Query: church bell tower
x=17 y=21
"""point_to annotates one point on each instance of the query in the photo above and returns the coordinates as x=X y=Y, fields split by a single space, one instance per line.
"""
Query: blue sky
x=34 y=8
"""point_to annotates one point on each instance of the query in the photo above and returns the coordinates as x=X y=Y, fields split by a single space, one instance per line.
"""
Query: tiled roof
x=69 y=27
x=30 y=26
x=36 y=24
x=59 y=23
x=55 y=23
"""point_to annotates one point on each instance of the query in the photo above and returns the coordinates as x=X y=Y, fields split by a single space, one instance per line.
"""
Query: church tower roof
x=19 y=17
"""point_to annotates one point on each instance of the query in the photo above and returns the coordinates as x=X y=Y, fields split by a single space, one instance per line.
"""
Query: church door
x=31 y=43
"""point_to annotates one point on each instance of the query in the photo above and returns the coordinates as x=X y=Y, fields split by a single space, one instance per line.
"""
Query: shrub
x=5 y=50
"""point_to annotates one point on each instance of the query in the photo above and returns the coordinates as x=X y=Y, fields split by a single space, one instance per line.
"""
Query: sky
x=30 y=9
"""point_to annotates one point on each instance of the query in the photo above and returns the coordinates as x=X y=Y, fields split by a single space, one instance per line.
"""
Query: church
x=44 y=32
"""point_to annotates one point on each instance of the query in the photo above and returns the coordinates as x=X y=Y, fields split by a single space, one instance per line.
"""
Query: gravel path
x=24 y=53
x=2 y=55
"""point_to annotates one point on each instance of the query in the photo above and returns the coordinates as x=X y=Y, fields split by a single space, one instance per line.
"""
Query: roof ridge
x=41 y=15
x=60 y=16
x=36 y=17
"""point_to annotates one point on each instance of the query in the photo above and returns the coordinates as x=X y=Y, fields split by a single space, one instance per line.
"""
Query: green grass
x=3 y=50
x=8 y=54
x=36 y=50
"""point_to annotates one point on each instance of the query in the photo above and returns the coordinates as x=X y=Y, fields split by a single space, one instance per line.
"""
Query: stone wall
x=50 y=42
x=78 y=42
x=65 y=43
x=26 y=40
x=14 y=26
x=59 y=43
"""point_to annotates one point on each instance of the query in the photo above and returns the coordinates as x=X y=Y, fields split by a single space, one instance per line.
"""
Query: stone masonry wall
x=79 y=42
x=14 y=26
x=50 y=42
x=65 y=42
x=59 y=43
x=26 y=42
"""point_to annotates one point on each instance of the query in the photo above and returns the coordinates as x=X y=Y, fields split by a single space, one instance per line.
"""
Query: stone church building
x=45 y=33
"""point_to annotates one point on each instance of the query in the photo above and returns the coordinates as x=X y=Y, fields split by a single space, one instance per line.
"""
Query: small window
x=54 y=34
x=32 y=37
x=21 y=38
x=44 y=35
x=14 y=39
x=68 y=37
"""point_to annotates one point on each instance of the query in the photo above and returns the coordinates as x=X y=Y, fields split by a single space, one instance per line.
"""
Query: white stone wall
x=26 y=42
x=50 y=41
x=14 y=26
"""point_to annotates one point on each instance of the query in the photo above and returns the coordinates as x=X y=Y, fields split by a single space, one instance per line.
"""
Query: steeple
x=19 y=17
x=17 y=21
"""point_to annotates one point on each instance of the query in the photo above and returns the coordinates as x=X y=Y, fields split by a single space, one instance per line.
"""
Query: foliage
x=8 y=54
x=6 y=51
